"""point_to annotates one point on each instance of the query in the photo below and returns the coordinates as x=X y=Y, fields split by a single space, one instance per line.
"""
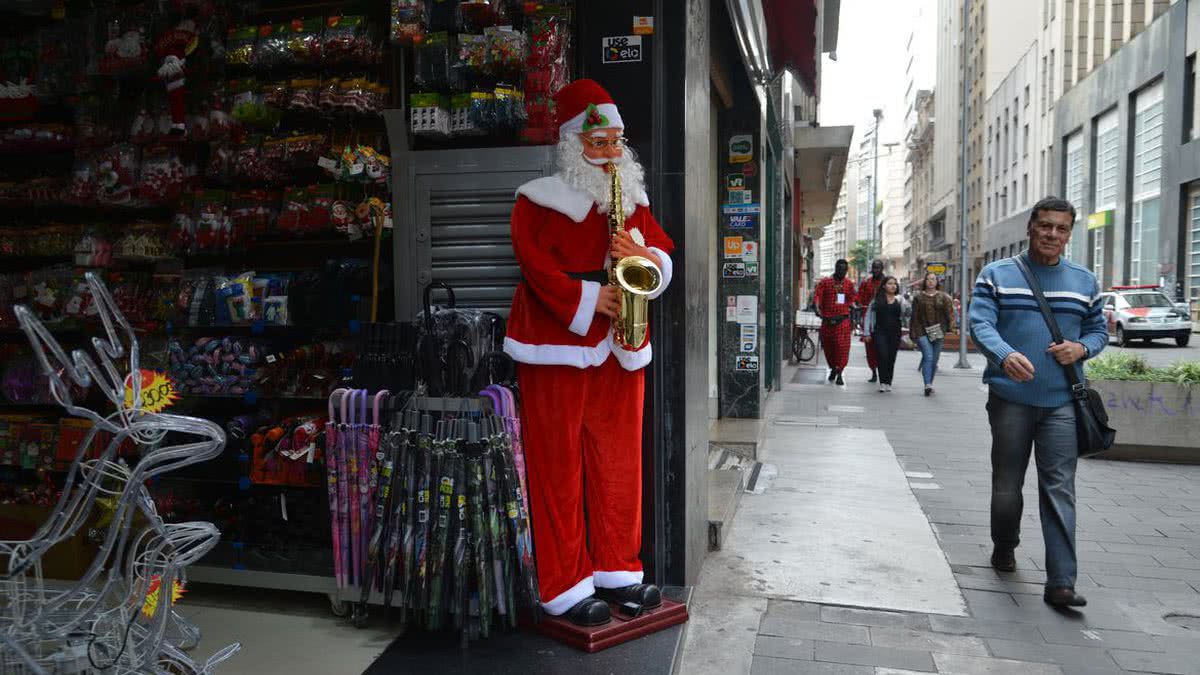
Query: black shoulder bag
x=1091 y=419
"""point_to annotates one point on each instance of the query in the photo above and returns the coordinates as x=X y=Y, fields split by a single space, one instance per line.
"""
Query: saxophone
x=635 y=275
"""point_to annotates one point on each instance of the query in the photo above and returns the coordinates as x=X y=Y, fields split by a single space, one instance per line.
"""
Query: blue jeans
x=1016 y=430
x=931 y=351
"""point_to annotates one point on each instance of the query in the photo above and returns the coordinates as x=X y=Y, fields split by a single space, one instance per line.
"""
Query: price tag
x=156 y=391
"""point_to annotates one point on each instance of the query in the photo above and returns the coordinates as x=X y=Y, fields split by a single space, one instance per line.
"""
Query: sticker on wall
x=643 y=25
x=740 y=197
x=745 y=221
x=735 y=181
x=622 y=49
x=731 y=314
x=746 y=364
x=749 y=169
x=750 y=251
x=751 y=269
x=749 y=337
x=733 y=270
x=733 y=247
x=747 y=309
x=741 y=149
x=731 y=301
x=740 y=209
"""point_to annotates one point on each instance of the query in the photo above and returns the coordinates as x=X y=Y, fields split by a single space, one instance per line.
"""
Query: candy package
x=508 y=109
x=162 y=177
x=239 y=45
x=505 y=52
x=347 y=40
x=304 y=41
x=470 y=58
x=293 y=214
x=432 y=63
x=126 y=47
x=249 y=105
x=304 y=94
x=85 y=183
x=116 y=170
x=252 y=212
x=271 y=50
x=213 y=229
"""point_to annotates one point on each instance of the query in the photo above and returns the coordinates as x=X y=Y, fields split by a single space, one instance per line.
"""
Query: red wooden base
x=615 y=632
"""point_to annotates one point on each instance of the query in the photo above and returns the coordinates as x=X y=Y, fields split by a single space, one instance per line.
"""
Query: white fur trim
x=588 y=295
x=616 y=579
x=558 y=355
x=568 y=598
x=632 y=360
x=609 y=110
x=667 y=268
x=553 y=193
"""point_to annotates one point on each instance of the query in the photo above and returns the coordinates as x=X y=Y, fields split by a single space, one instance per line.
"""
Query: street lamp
x=878 y=113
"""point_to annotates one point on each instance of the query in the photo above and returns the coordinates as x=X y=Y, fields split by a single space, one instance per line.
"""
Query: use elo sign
x=623 y=49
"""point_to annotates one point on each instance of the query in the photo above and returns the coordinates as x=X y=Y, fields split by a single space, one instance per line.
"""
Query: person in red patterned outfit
x=866 y=295
x=834 y=298
x=581 y=392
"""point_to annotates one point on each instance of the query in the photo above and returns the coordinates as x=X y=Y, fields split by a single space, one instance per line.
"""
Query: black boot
x=646 y=595
x=839 y=378
x=832 y=374
x=589 y=612
x=874 y=376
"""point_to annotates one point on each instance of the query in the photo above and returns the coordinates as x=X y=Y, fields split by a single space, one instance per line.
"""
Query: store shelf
x=281 y=581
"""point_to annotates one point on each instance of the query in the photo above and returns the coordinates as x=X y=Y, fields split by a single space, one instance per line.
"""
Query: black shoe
x=929 y=391
x=589 y=612
x=1004 y=560
x=839 y=378
x=874 y=377
x=646 y=595
x=832 y=374
x=1063 y=596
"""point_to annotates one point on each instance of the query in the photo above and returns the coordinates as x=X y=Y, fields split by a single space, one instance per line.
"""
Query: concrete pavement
x=761 y=606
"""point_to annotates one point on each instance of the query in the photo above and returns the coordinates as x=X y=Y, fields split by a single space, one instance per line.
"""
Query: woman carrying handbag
x=932 y=320
x=881 y=328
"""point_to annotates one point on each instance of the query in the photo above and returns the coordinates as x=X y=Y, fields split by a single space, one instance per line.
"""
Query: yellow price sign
x=157 y=391
x=153 y=599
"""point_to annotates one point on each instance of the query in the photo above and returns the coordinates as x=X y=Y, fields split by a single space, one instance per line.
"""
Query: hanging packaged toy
x=505 y=52
x=275 y=94
x=252 y=211
x=428 y=115
x=407 y=21
x=482 y=110
x=271 y=50
x=213 y=231
x=346 y=40
x=239 y=45
x=84 y=183
x=432 y=63
x=249 y=105
x=304 y=93
x=173 y=47
x=304 y=41
x=125 y=48
x=508 y=109
x=93 y=250
x=183 y=224
x=469 y=62
x=294 y=213
x=329 y=96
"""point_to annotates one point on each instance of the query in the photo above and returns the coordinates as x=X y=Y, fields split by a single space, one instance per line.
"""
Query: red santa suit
x=866 y=294
x=581 y=394
x=834 y=300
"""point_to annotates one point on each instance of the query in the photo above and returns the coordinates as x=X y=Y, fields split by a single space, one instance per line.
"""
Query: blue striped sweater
x=1005 y=318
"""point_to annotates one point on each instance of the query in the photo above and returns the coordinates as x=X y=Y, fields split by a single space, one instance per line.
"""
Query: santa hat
x=583 y=106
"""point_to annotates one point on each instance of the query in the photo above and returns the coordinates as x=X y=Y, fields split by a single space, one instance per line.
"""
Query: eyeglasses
x=603 y=143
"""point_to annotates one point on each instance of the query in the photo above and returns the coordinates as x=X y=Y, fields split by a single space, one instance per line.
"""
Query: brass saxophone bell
x=638 y=278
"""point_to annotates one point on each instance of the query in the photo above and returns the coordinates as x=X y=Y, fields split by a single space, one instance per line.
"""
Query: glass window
x=1194 y=252
x=1147 y=142
x=1145 y=255
x=1073 y=188
x=1149 y=252
x=1107 y=162
x=1155 y=299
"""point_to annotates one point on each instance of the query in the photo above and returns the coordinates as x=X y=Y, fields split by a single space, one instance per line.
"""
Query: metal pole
x=963 y=330
x=875 y=182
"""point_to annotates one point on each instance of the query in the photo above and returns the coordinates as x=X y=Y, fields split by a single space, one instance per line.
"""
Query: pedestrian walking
x=885 y=315
x=932 y=320
x=1030 y=403
x=834 y=297
x=867 y=291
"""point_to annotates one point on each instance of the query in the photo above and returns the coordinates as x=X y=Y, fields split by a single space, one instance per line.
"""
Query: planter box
x=1154 y=421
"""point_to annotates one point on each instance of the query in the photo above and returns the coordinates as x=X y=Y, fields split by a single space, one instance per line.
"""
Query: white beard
x=591 y=179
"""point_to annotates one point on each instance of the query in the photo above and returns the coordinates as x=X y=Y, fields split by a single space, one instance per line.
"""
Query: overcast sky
x=869 y=71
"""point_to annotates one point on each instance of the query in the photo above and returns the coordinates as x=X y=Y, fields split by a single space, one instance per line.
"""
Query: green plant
x=1126 y=366
x=861 y=255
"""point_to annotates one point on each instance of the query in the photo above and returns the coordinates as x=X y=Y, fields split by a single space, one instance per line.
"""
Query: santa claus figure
x=581 y=389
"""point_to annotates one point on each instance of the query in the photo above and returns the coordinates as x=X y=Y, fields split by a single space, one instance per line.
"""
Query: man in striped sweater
x=1029 y=401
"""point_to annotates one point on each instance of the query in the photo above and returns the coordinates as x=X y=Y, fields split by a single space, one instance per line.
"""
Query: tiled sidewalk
x=1138 y=542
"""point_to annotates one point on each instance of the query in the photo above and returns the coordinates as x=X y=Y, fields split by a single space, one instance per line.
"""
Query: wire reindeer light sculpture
x=96 y=624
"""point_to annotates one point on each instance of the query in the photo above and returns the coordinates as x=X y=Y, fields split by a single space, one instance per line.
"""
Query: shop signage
x=1099 y=220
x=746 y=364
x=733 y=270
x=741 y=149
x=744 y=221
x=643 y=25
x=623 y=49
x=731 y=314
x=733 y=247
x=752 y=269
x=749 y=168
x=938 y=268
x=739 y=197
x=740 y=209
x=735 y=181
x=749 y=337
x=750 y=251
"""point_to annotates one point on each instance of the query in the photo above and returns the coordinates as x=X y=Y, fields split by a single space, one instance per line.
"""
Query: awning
x=792 y=38
x=821 y=154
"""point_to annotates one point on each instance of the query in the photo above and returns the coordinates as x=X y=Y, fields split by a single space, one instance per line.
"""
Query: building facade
x=920 y=162
x=1128 y=155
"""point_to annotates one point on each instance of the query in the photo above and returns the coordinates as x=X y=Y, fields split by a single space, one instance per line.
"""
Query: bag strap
x=1048 y=315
